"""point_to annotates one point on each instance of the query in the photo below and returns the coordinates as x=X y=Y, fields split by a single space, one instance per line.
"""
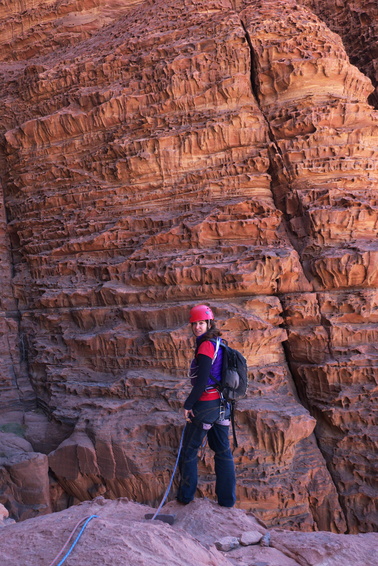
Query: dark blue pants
x=218 y=437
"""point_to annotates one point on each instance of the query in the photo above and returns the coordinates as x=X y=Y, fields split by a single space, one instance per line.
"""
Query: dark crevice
x=254 y=75
x=255 y=86
x=373 y=99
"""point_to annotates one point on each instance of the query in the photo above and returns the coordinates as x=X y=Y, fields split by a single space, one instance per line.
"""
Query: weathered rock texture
x=117 y=533
x=175 y=152
x=357 y=25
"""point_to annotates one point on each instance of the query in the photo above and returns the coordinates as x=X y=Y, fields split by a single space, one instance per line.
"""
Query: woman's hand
x=188 y=414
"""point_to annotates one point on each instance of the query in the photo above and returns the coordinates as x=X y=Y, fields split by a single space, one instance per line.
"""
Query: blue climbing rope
x=76 y=539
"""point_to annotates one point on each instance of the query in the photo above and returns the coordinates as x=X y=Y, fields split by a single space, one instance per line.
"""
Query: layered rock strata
x=197 y=151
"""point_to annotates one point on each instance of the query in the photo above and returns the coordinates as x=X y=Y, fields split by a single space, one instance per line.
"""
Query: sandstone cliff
x=157 y=154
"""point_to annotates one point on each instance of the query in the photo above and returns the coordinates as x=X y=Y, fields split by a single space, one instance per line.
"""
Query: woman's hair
x=211 y=333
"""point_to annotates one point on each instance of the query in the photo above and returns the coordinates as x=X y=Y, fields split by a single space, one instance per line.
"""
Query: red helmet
x=201 y=312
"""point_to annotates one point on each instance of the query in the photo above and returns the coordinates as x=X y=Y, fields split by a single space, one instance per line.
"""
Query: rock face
x=175 y=152
x=23 y=477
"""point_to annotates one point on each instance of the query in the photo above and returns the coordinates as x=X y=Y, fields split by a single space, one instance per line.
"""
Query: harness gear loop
x=222 y=408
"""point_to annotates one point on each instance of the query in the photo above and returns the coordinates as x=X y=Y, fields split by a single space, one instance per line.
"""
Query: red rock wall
x=195 y=151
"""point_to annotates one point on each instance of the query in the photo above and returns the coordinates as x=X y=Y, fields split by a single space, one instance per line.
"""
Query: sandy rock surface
x=120 y=535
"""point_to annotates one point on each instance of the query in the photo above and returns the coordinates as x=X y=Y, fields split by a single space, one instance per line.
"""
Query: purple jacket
x=216 y=368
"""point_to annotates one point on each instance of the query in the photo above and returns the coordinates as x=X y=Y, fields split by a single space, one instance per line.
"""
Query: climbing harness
x=86 y=521
x=167 y=518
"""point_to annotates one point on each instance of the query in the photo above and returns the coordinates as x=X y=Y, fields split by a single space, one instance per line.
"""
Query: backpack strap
x=217 y=344
x=232 y=407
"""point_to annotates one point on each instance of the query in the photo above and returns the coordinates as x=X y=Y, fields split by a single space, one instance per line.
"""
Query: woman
x=206 y=413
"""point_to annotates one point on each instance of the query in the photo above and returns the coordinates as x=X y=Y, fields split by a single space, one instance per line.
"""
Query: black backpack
x=234 y=382
x=234 y=374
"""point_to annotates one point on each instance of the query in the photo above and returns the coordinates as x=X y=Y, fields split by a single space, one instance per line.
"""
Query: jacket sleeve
x=204 y=368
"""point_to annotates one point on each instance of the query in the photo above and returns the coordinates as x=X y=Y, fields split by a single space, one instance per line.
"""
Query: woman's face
x=199 y=328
